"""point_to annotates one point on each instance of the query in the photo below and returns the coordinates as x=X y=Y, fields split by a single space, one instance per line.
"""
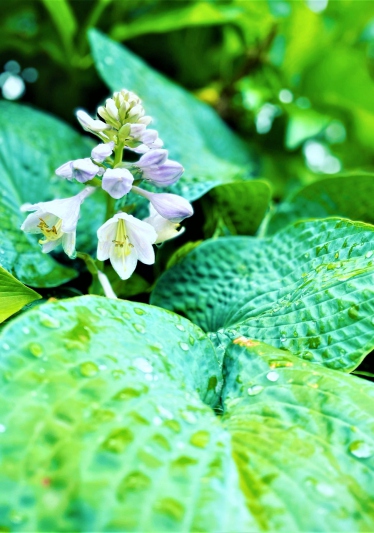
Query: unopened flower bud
x=171 y=206
x=102 y=151
x=117 y=182
x=89 y=124
x=155 y=167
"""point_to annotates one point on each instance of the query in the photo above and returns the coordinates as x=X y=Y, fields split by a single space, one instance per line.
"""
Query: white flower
x=164 y=228
x=56 y=220
x=171 y=206
x=158 y=169
x=89 y=124
x=81 y=169
x=125 y=240
x=102 y=151
x=117 y=182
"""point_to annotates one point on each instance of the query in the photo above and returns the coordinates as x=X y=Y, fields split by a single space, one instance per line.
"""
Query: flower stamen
x=51 y=234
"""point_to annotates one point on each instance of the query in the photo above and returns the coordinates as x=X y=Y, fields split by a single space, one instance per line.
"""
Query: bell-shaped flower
x=90 y=124
x=117 y=182
x=158 y=169
x=125 y=240
x=170 y=206
x=81 y=169
x=149 y=141
x=56 y=220
x=164 y=228
x=102 y=151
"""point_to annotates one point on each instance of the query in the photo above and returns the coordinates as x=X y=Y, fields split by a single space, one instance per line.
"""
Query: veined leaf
x=101 y=440
x=348 y=196
x=239 y=206
x=32 y=146
x=303 y=440
x=13 y=295
x=102 y=424
x=308 y=289
x=193 y=133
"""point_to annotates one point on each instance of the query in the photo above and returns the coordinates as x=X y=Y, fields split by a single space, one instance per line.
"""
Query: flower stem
x=97 y=274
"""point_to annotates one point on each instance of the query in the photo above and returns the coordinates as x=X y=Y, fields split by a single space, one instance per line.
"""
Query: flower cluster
x=123 y=238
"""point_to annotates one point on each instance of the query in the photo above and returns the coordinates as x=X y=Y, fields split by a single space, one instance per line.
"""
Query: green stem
x=118 y=155
x=97 y=274
x=90 y=263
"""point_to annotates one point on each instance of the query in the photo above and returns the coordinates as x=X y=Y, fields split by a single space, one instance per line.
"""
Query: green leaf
x=64 y=20
x=308 y=289
x=13 y=295
x=176 y=17
x=32 y=146
x=193 y=133
x=103 y=427
x=347 y=196
x=119 y=439
x=239 y=206
x=303 y=440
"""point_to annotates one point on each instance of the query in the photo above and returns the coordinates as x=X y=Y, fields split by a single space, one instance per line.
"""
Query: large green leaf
x=348 y=196
x=308 y=289
x=102 y=424
x=13 y=295
x=303 y=440
x=237 y=207
x=103 y=428
x=32 y=146
x=193 y=133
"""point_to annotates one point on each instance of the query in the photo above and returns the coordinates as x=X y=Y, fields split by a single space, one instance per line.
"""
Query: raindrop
x=143 y=365
x=361 y=449
x=272 y=376
x=26 y=331
x=325 y=490
x=109 y=60
x=2 y=428
x=7 y=347
x=157 y=421
x=13 y=87
x=49 y=321
x=35 y=349
x=139 y=311
x=139 y=328
x=184 y=346
x=180 y=327
x=189 y=417
x=283 y=338
x=256 y=389
x=369 y=254
x=102 y=367
x=88 y=369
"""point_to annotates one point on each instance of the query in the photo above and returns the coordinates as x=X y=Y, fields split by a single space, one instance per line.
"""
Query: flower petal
x=141 y=236
x=65 y=170
x=123 y=264
x=102 y=151
x=89 y=124
x=106 y=235
x=171 y=206
x=68 y=243
x=117 y=182
x=84 y=169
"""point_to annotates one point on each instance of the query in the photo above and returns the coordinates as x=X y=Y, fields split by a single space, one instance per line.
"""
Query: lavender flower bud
x=117 y=182
x=171 y=206
x=102 y=151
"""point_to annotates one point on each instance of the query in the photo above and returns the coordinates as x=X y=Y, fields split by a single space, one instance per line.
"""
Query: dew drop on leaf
x=35 y=349
x=200 y=439
x=361 y=449
x=139 y=328
x=49 y=321
x=143 y=365
x=184 y=346
x=256 y=389
x=88 y=369
x=2 y=428
x=272 y=376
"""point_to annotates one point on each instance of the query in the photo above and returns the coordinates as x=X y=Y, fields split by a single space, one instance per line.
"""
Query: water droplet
x=353 y=312
x=143 y=365
x=272 y=376
x=35 y=349
x=117 y=374
x=139 y=328
x=26 y=331
x=180 y=327
x=6 y=346
x=306 y=255
x=49 y=321
x=102 y=367
x=369 y=254
x=102 y=311
x=184 y=346
x=157 y=421
x=88 y=369
x=139 y=311
x=170 y=507
x=361 y=449
x=189 y=417
x=118 y=440
x=283 y=338
x=256 y=389
x=164 y=412
x=325 y=490
x=200 y=439
x=2 y=428
x=132 y=482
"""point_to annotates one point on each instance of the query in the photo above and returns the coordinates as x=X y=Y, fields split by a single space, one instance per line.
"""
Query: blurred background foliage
x=293 y=78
